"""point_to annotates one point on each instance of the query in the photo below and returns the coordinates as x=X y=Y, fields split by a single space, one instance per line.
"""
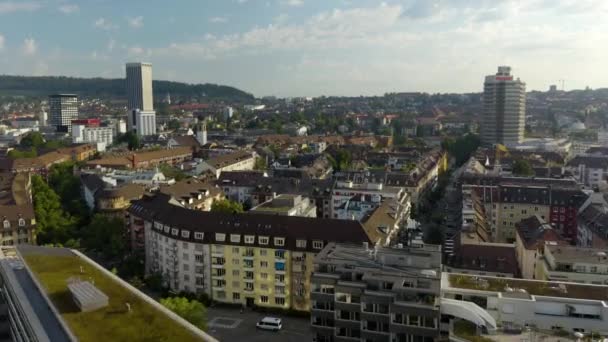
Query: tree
x=174 y=125
x=434 y=234
x=172 y=172
x=105 y=235
x=131 y=139
x=191 y=310
x=18 y=154
x=462 y=148
x=260 y=164
x=522 y=167
x=32 y=140
x=67 y=186
x=226 y=206
x=341 y=161
x=53 y=225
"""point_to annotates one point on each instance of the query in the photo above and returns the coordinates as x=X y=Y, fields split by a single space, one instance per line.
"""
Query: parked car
x=270 y=323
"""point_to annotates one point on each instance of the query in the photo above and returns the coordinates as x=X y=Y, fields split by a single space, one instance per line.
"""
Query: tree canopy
x=105 y=235
x=341 y=161
x=53 y=225
x=462 y=148
x=191 y=310
x=32 y=140
x=131 y=139
x=522 y=167
x=226 y=206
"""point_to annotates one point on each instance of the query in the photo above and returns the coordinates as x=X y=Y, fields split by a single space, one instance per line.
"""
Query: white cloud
x=19 y=6
x=102 y=23
x=1 y=42
x=30 y=47
x=218 y=20
x=69 y=8
x=293 y=3
x=136 y=22
x=111 y=45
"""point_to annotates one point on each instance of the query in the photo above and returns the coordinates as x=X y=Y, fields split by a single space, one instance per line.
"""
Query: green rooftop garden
x=467 y=330
x=533 y=287
x=112 y=323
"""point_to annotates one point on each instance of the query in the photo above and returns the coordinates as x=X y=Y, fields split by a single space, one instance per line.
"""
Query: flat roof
x=41 y=318
x=532 y=287
x=54 y=267
x=571 y=254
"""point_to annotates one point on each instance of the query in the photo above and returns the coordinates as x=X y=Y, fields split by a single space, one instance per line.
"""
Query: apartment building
x=589 y=170
x=593 y=225
x=287 y=205
x=17 y=217
x=532 y=235
x=508 y=200
x=143 y=160
x=381 y=294
x=574 y=264
x=353 y=201
x=237 y=161
x=251 y=260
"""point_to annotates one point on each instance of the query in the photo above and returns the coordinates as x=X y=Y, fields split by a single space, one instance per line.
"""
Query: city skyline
x=311 y=48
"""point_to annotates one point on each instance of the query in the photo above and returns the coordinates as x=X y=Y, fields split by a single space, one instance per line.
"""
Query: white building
x=121 y=127
x=102 y=136
x=141 y=122
x=589 y=170
x=237 y=161
x=504 y=103
x=574 y=264
x=228 y=112
x=518 y=303
x=63 y=109
x=351 y=201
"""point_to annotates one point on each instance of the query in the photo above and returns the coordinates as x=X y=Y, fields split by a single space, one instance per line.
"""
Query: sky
x=312 y=47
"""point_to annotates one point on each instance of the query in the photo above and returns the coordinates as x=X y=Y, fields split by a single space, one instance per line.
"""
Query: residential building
x=504 y=109
x=63 y=108
x=589 y=170
x=17 y=216
x=517 y=304
x=574 y=264
x=378 y=294
x=493 y=259
x=114 y=201
x=532 y=235
x=593 y=223
x=31 y=277
x=352 y=201
x=101 y=136
x=193 y=194
x=250 y=260
x=143 y=160
x=286 y=205
x=236 y=161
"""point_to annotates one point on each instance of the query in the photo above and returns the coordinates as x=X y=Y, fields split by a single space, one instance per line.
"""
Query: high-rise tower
x=140 y=103
x=504 y=109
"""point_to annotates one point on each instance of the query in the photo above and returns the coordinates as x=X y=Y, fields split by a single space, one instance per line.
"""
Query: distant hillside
x=94 y=87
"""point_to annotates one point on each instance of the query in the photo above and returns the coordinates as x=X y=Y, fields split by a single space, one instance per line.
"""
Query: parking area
x=229 y=324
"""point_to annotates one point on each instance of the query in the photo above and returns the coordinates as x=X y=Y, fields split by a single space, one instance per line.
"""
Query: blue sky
x=312 y=47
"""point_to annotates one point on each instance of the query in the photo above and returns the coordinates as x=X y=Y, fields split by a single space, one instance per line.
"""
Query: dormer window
x=21 y=222
x=6 y=224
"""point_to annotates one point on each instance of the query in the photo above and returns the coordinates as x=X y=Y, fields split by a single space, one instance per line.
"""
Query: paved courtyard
x=228 y=324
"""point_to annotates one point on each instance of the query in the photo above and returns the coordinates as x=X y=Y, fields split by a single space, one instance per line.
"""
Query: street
x=228 y=324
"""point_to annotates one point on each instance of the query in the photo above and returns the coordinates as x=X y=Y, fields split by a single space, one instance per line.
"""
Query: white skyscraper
x=504 y=109
x=140 y=102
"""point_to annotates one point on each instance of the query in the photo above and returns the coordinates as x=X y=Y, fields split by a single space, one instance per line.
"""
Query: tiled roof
x=592 y=162
x=485 y=258
x=534 y=231
x=158 y=209
x=229 y=159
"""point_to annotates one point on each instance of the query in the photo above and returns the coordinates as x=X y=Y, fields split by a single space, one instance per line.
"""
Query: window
x=200 y=281
x=199 y=236
x=6 y=224
x=186 y=277
x=236 y=238
x=279 y=254
x=279 y=241
x=263 y=240
x=249 y=239
x=235 y=273
x=220 y=237
x=235 y=261
x=279 y=301
x=186 y=267
x=186 y=256
x=167 y=229
x=185 y=234
x=263 y=252
x=235 y=249
x=264 y=287
x=198 y=257
x=264 y=299
x=21 y=222
x=279 y=289
x=317 y=244
x=264 y=264
x=236 y=296
x=301 y=243
x=174 y=231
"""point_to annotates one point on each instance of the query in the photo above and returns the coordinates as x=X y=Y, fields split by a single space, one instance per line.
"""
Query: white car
x=270 y=323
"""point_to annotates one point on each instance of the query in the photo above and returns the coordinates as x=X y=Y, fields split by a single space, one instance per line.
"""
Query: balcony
x=248 y=255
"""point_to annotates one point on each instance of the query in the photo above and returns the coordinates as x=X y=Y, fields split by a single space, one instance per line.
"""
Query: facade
x=589 y=170
x=139 y=86
x=144 y=160
x=383 y=294
x=17 y=217
x=532 y=235
x=102 y=136
x=504 y=109
x=142 y=122
x=63 y=108
x=251 y=260
x=574 y=264
x=593 y=226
